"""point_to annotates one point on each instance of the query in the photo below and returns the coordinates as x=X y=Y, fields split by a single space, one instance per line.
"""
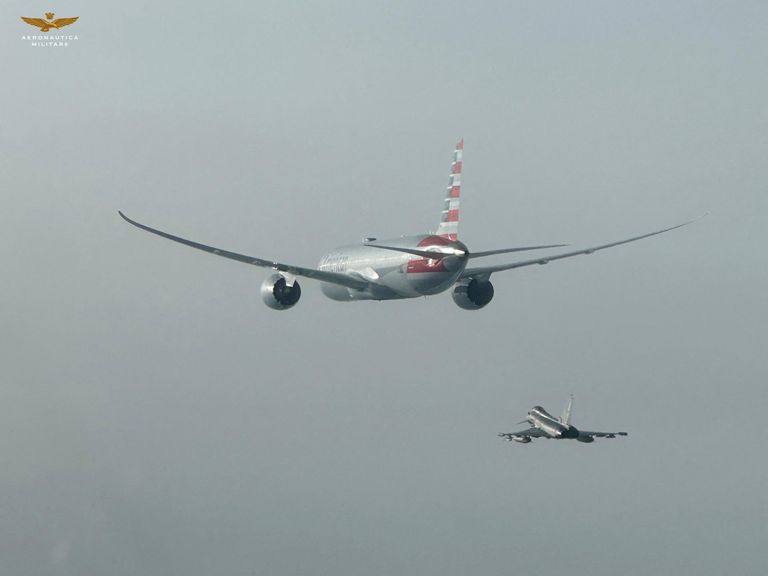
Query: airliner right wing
x=485 y=271
x=322 y=275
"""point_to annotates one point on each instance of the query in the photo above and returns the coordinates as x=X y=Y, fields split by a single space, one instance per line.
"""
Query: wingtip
x=124 y=217
x=692 y=221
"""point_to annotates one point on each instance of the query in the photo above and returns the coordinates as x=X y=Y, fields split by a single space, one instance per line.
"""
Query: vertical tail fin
x=449 y=223
x=566 y=417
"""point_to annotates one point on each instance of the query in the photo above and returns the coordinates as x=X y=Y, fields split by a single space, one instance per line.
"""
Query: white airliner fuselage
x=393 y=274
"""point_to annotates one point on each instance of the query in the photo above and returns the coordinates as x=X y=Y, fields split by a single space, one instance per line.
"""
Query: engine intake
x=473 y=294
x=276 y=293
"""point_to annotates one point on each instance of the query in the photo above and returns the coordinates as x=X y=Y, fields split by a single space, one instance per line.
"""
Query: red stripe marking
x=455 y=191
x=453 y=216
x=457 y=167
x=433 y=241
x=423 y=266
x=460 y=145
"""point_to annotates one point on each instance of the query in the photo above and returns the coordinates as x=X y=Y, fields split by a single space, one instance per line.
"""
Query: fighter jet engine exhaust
x=277 y=294
x=473 y=294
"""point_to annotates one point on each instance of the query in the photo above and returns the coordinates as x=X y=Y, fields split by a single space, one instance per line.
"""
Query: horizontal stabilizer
x=508 y=250
x=423 y=253
x=456 y=252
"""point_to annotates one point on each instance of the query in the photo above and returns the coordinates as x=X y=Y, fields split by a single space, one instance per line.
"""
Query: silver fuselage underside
x=550 y=425
x=391 y=274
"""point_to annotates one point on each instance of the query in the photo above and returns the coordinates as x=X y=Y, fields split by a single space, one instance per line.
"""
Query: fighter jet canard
x=405 y=267
x=544 y=425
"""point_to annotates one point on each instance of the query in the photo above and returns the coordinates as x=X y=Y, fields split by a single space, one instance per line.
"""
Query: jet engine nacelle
x=473 y=294
x=277 y=294
x=585 y=439
x=522 y=439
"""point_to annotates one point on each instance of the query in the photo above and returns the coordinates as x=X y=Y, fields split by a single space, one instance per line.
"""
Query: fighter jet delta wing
x=322 y=275
x=523 y=436
x=601 y=434
x=485 y=272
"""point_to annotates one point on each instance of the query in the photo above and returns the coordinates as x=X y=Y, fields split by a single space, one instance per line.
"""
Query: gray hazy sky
x=157 y=418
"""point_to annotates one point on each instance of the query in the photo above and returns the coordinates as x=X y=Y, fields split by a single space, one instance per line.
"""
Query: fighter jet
x=406 y=267
x=544 y=425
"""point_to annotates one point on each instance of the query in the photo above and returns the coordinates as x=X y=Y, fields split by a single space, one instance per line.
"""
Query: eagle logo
x=49 y=22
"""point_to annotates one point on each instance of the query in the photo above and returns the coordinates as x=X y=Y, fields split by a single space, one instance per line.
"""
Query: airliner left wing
x=485 y=272
x=322 y=275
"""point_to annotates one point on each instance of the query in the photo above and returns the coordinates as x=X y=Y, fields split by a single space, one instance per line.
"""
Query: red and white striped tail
x=449 y=223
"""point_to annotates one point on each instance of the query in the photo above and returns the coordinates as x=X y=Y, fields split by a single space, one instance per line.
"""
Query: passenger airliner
x=406 y=267
x=544 y=425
